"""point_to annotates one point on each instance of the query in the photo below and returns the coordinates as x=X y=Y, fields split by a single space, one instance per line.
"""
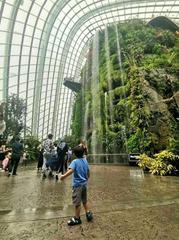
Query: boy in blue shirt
x=80 y=169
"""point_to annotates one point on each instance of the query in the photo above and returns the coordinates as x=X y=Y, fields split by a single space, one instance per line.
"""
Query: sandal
x=89 y=216
x=74 y=221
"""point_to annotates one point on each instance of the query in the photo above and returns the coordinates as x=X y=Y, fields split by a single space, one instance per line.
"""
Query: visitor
x=24 y=159
x=40 y=159
x=69 y=155
x=17 y=151
x=62 y=150
x=47 y=146
x=84 y=145
x=6 y=161
x=53 y=163
x=80 y=169
x=2 y=154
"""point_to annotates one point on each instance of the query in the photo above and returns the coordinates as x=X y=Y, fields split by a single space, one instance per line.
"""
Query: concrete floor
x=127 y=204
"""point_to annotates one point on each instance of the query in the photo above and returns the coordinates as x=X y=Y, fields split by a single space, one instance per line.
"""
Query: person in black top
x=2 y=154
x=17 y=152
x=40 y=159
x=62 y=151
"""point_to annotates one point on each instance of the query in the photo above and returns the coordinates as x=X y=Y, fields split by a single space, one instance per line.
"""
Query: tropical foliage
x=138 y=90
x=77 y=118
x=15 y=112
x=163 y=163
x=31 y=144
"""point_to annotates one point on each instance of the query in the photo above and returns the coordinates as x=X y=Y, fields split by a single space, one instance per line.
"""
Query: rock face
x=160 y=124
x=163 y=104
x=139 y=89
x=176 y=99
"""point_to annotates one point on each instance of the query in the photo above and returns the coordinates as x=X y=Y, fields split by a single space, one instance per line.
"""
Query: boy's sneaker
x=89 y=216
x=74 y=221
x=56 y=177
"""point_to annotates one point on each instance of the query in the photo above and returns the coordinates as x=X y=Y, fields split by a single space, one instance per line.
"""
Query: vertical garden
x=130 y=91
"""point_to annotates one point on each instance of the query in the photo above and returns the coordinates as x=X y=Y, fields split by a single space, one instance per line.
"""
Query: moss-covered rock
x=141 y=106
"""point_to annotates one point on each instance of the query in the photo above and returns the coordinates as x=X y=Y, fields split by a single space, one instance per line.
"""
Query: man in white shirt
x=48 y=146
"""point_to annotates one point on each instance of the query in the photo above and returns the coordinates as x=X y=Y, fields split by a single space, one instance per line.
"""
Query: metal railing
x=115 y=158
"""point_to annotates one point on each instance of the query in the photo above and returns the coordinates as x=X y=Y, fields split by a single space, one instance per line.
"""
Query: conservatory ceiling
x=43 y=42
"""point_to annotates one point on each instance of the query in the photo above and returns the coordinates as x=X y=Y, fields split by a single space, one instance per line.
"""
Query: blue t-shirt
x=80 y=174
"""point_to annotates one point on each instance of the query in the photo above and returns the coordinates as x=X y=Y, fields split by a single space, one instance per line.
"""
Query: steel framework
x=45 y=41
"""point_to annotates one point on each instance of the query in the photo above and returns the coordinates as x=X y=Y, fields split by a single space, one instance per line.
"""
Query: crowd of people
x=54 y=159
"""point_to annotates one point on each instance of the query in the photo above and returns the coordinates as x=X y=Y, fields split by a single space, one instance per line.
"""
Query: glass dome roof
x=43 y=42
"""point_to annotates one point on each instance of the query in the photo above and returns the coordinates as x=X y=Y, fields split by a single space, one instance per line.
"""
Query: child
x=24 y=159
x=80 y=169
x=69 y=155
x=6 y=161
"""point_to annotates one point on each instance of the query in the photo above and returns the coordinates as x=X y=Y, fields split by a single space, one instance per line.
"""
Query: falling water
x=119 y=58
x=107 y=50
x=106 y=111
x=122 y=80
x=86 y=127
x=106 y=121
x=85 y=104
x=96 y=104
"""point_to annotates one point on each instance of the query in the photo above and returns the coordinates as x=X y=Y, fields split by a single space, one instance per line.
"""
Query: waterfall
x=109 y=79
x=96 y=103
x=86 y=116
x=86 y=105
x=122 y=81
x=106 y=111
x=119 y=58
x=106 y=123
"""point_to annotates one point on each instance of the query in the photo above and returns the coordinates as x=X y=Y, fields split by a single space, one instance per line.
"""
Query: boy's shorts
x=79 y=194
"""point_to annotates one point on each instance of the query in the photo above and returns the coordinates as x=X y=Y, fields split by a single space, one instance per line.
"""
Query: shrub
x=161 y=168
x=163 y=163
x=165 y=156
x=32 y=147
x=144 y=162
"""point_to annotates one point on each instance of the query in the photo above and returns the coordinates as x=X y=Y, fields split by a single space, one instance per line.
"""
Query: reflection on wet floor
x=26 y=197
x=138 y=174
x=30 y=197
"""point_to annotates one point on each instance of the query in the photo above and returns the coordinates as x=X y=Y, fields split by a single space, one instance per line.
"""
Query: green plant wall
x=145 y=89
x=77 y=124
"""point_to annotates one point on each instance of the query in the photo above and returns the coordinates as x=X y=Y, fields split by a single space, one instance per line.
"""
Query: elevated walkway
x=164 y=23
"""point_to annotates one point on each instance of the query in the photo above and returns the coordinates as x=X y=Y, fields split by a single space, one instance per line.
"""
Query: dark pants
x=14 y=164
x=63 y=165
x=40 y=162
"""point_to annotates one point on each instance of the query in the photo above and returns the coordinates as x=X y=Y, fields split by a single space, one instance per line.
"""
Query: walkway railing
x=115 y=158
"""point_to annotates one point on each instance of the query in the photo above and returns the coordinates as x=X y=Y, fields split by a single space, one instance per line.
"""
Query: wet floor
x=127 y=204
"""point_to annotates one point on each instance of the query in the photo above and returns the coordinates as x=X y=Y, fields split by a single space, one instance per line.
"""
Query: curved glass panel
x=45 y=41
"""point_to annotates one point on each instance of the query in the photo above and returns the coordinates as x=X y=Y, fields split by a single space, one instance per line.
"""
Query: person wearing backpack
x=62 y=150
